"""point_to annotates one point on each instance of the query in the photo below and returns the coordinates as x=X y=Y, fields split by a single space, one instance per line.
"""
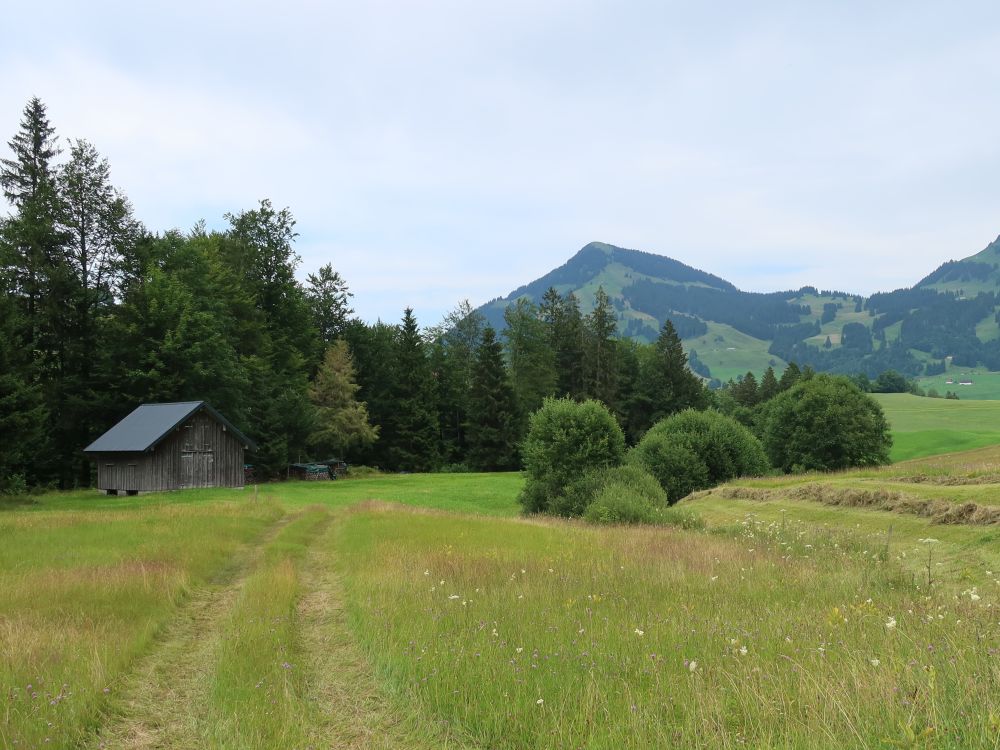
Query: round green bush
x=618 y=504
x=677 y=468
x=565 y=441
x=823 y=424
x=697 y=449
x=581 y=493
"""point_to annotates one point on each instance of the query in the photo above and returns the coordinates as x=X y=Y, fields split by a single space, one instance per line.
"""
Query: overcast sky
x=436 y=151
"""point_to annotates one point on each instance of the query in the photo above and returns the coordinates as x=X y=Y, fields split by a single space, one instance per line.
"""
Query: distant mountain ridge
x=952 y=312
x=594 y=257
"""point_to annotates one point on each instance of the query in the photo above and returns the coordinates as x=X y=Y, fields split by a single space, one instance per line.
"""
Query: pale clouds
x=440 y=150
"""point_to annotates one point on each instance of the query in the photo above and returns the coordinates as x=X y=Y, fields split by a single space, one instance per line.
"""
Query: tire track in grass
x=353 y=712
x=159 y=703
x=267 y=660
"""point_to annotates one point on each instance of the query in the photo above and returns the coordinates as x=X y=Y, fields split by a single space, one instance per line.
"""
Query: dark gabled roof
x=149 y=424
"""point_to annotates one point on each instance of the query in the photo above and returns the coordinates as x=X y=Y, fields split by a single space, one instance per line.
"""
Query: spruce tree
x=631 y=405
x=34 y=230
x=329 y=300
x=600 y=362
x=769 y=387
x=531 y=359
x=666 y=383
x=23 y=414
x=453 y=355
x=746 y=391
x=492 y=433
x=415 y=432
x=373 y=347
x=790 y=376
x=569 y=349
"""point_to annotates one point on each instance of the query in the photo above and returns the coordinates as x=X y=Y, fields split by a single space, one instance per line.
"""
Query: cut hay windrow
x=938 y=511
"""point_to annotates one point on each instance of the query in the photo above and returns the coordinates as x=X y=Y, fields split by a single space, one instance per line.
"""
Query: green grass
x=421 y=611
x=490 y=494
x=82 y=594
x=985 y=385
x=927 y=426
x=730 y=353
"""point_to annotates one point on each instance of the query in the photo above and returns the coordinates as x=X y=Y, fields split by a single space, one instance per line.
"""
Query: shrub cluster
x=565 y=441
x=574 y=453
x=621 y=494
x=693 y=450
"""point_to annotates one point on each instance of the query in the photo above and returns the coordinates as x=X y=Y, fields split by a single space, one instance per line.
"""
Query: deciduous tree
x=341 y=420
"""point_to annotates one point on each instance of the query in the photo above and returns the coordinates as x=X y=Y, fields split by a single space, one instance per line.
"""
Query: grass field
x=421 y=612
x=985 y=384
x=730 y=353
x=929 y=426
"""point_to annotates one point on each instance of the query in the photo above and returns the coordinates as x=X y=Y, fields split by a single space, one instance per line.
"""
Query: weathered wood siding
x=199 y=453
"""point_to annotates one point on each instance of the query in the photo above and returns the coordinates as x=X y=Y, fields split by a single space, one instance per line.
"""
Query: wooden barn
x=169 y=447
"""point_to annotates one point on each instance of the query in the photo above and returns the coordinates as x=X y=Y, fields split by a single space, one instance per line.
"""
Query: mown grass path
x=264 y=658
x=157 y=705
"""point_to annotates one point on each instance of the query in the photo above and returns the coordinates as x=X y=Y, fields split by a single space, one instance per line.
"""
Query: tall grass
x=525 y=635
x=83 y=593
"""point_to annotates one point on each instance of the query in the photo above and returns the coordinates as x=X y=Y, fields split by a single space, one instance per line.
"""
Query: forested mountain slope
x=953 y=312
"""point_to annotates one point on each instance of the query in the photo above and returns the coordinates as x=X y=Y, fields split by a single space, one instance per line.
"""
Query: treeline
x=99 y=315
x=459 y=396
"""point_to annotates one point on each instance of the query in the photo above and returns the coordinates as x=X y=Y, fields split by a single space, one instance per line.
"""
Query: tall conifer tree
x=414 y=417
x=666 y=382
x=769 y=387
x=532 y=361
x=601 y=352
x=493 y=432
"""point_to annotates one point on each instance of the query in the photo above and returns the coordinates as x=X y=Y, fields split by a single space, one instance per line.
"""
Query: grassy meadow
x=421 y=611
x=929 y=426
x=985 y=384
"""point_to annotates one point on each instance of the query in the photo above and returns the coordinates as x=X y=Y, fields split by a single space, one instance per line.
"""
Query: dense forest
x=100 y=314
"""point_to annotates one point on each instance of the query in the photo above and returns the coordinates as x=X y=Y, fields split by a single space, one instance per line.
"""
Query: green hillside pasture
x=928 y=426
x=832 y=329
x=988 y=329
x=777 y=633
x=730 y=353
x=985 y=385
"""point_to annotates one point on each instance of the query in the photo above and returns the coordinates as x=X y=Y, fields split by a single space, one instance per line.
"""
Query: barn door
x=131 y=477
x=204 y=469
x=198 y=456
x=198 y=469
